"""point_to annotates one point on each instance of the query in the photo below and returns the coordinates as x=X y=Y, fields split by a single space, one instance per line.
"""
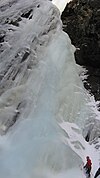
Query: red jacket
x=88 y=164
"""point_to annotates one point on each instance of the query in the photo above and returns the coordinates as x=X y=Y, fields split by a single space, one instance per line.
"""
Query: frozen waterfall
x=41 y=93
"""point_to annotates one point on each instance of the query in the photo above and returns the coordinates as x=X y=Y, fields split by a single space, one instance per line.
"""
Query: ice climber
x=88 y=167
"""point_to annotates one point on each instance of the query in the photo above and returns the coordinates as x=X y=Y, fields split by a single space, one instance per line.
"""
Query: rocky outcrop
x=81 y=20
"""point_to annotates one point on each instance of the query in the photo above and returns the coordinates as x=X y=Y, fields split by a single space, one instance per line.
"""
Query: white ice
x=60 y=4
x=47 y=141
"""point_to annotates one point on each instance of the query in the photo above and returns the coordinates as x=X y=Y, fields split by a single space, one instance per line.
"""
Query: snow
x=79 y=145
x=82 y=73
x=47 y=140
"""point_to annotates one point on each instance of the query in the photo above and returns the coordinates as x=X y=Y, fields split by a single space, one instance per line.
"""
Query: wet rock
x=15 y=22
x=27 y=14
x=2 y=35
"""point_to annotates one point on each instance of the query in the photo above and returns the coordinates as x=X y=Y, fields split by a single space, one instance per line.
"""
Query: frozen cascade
x=39 y=82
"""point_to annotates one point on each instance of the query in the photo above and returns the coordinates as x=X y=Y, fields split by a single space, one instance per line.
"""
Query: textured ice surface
x=41 y=93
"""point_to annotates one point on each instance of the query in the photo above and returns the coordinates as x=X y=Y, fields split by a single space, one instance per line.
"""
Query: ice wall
x=40 y=91
x=26 y=28
x=34 y=147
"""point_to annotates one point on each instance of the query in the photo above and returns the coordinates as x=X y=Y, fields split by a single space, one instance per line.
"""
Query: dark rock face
x=92 y=83
x=81 y=20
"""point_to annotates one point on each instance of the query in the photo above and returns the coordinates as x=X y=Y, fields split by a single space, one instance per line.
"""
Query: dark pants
x=88 y=170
